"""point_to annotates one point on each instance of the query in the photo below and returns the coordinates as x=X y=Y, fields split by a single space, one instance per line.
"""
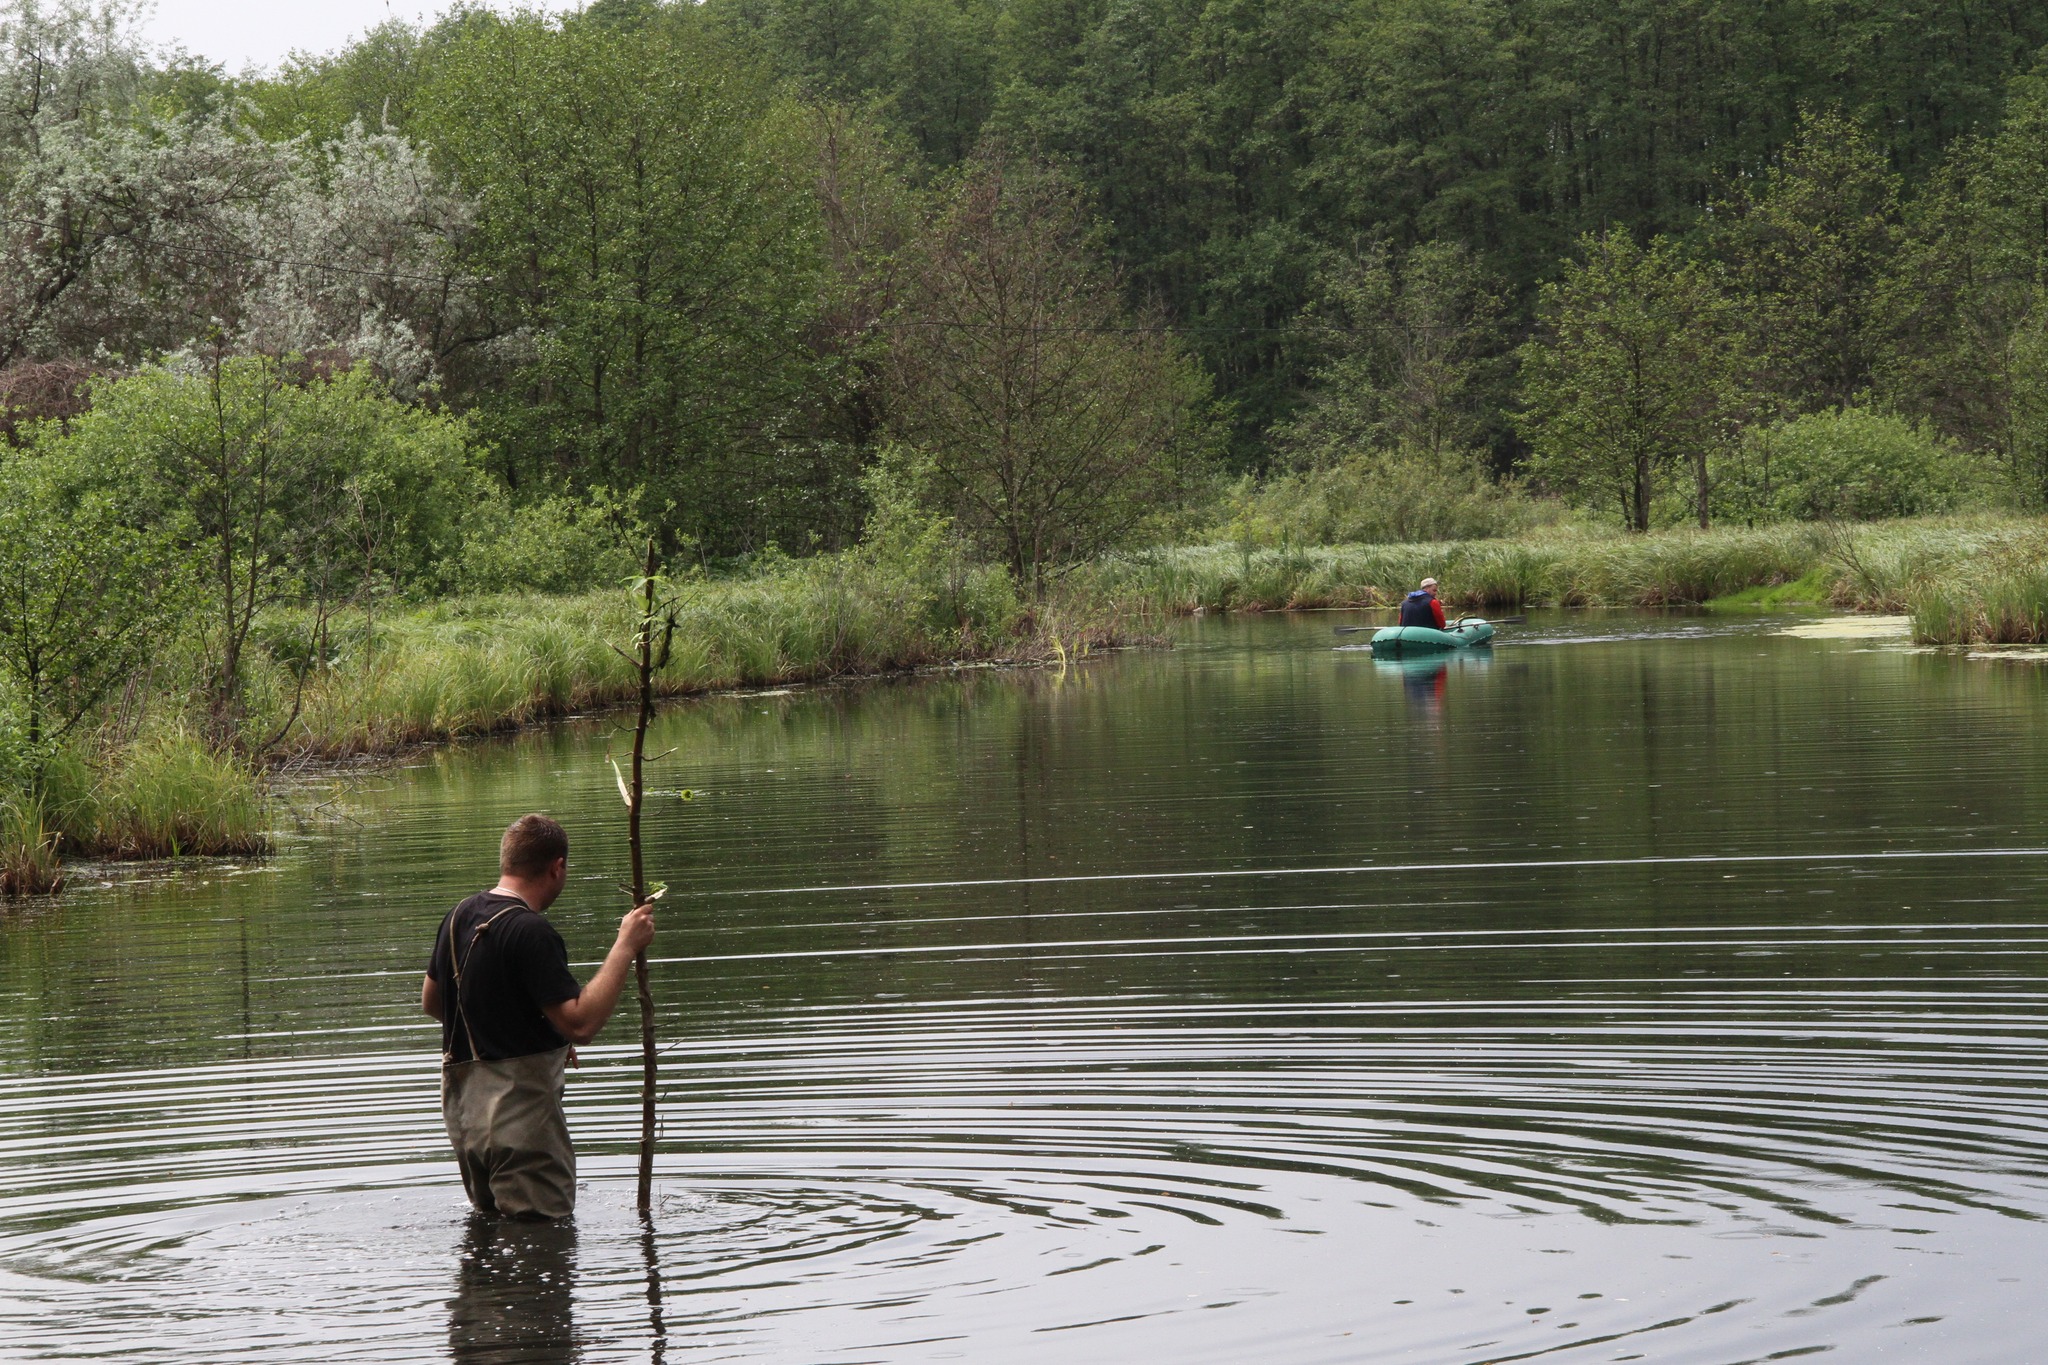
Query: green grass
x=166 y=796
x=1870 y=567
x=29 y=862
x=1816 y=587
x=471 y=666
x=172 y=797
x=2002 y=601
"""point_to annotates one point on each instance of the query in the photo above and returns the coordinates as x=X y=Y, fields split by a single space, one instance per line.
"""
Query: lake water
x=1654 y=988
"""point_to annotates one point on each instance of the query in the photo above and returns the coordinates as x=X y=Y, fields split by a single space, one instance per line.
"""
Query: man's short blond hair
x=530 y=846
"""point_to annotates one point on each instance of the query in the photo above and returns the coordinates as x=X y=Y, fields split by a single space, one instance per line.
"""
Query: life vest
x=1419 y=609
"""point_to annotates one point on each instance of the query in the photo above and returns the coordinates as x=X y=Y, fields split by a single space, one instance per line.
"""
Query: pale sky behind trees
x=241 y=33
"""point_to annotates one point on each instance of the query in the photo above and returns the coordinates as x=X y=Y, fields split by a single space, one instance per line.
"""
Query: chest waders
x=504 y=1118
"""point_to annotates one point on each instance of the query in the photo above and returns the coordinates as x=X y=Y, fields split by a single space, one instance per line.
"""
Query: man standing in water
x=510 y=1012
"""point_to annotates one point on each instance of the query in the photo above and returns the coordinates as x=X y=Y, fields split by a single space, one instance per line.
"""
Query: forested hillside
x=1243 y=153
x=682 y=267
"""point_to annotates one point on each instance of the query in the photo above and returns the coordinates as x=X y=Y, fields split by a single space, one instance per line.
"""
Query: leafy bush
x=84 y=597
x=555 y=545
x=1848 y=463
x=917 y=557
x=1378 y=497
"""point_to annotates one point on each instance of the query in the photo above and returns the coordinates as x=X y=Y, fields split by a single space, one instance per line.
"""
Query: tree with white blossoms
x=113 y=224
x=129 y=233
x=352 y=251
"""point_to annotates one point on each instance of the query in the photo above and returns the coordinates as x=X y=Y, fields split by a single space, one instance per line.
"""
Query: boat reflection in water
x=1426 y=677
x=514 y=1294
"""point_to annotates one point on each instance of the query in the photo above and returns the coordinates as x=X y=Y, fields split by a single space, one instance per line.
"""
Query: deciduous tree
x=1806 y=247
x=1419 y=357
x=82 y=598
x=1639 y=370
x=1052 y=419
x=644 y=211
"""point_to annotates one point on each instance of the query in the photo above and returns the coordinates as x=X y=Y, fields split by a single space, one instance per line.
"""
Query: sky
x=242 y=33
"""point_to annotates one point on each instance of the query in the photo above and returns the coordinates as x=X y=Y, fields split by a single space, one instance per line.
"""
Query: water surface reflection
x=1248 y=1001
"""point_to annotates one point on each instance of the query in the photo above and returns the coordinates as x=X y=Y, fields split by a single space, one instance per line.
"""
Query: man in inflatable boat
x=1420 y=608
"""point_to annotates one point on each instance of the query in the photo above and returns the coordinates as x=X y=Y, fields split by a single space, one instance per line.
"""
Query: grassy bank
x=1878 y=567
x=162 y=797
x=376 y=682
x=2002 y=599
x=476 y=665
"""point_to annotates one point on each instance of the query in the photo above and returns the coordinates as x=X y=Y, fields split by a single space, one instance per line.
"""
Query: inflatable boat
x=1395 y=641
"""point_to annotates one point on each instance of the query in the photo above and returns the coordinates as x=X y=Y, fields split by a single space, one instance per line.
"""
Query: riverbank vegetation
x=337 y=401
x=1884 y=566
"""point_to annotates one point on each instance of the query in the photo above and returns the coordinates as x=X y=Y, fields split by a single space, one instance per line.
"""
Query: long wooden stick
x=646 y=662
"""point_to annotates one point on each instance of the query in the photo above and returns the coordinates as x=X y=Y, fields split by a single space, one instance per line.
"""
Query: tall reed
x=29 y=864
x=473 y=666
x=170 y=796
x=1873 y=566
x=1998 y=604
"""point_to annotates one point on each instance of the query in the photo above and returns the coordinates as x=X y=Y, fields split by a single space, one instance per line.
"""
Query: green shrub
x=1378 y=497
x=554 y=545
x=1849 y=464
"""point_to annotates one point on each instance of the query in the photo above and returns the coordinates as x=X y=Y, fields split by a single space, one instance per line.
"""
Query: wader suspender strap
x=455 y=964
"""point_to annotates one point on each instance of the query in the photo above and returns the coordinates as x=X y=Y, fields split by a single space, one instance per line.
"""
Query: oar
x=1494 y=620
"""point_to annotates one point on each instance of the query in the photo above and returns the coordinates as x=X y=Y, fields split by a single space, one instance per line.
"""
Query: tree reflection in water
x=514 y=1294
x=660 y=1329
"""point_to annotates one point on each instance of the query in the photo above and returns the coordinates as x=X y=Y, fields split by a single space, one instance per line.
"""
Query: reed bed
x=168 y=797
x=1868 y=567
x=2001 y=600
x=474 y=666
x=29 y=861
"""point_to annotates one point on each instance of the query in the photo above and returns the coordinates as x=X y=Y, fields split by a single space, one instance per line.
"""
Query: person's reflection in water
x=514 y=1294
x=1425 y=685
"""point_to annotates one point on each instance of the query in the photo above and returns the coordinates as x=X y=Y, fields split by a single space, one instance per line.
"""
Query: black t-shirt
x=515 y=968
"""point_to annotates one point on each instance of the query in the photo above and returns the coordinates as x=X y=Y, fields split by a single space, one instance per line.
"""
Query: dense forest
x=702 y=268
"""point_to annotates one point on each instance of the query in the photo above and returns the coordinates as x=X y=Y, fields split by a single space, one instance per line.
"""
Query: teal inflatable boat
x=1395 y=641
